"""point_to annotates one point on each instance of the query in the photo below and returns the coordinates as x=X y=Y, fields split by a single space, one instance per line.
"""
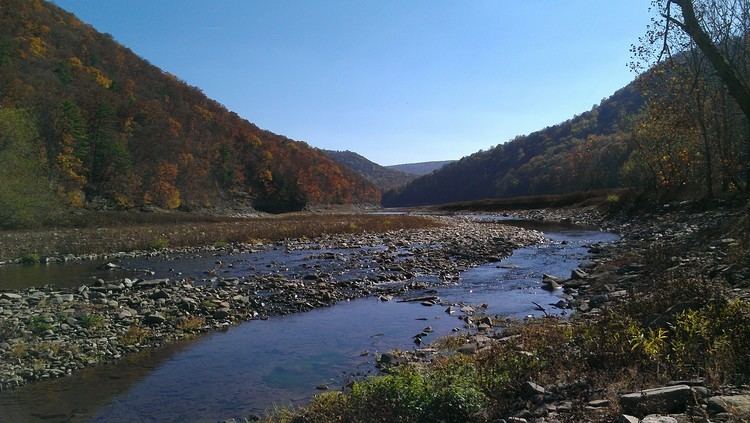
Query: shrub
x=38 y=325
x=32 y=258
x=91 y=321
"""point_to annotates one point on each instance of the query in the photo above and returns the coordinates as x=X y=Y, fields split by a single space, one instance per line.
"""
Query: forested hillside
x=586 y=152
x=383 y=177
x=112 y=128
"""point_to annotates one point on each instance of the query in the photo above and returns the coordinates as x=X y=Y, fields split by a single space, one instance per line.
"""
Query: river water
x=257 y=365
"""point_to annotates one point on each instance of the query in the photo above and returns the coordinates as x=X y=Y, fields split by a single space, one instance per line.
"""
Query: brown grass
x=115 y=235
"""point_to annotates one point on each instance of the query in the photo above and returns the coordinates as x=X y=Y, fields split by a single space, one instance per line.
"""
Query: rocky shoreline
x=677 y=240
x=49 y=332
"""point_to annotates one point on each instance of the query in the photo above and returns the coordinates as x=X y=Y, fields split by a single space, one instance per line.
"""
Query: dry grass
x=135 y=335
x=583 y=198
x=191 y=324
x=117 y=236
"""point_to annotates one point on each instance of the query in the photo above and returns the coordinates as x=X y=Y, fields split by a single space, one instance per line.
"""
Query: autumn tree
x=72 y=148
x=694 y=64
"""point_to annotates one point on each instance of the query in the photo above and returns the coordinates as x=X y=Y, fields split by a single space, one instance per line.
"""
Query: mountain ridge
x=383 y=177
x=585 y=152
x=420 y=168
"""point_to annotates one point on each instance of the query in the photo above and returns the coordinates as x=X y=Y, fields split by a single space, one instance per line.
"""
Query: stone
x=63 y=298
x=10 y=296
x=737 y=405
x=154 y=319
x=467 y=349
x=551 y=283
x=159 y=294
x=389 y=359
x=599 y=403
x=655 y=418
x=125 y=314
x=530 y=389
x=626 y=418
x=220 y=314
x=663 y=400
x=577 y=274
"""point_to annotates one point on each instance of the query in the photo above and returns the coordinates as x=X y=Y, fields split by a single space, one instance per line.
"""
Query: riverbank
x=662 y=328
x=122 y=235
x=50 y=332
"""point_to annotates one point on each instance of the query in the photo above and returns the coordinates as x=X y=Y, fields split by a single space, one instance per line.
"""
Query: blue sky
x=395 y=80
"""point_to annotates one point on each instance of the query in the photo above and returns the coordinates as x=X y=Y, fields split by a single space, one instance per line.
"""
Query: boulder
x=551 y=283
x=663 y=400
x=737 y=405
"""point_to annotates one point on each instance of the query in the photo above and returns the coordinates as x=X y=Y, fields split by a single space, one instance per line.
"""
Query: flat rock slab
x=655 y=418
x=664 y=400
x=737 y=405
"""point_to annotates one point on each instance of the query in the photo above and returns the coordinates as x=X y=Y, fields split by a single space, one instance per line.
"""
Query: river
x=257 y=365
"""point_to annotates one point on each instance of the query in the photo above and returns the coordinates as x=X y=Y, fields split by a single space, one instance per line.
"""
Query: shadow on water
x=258 y=364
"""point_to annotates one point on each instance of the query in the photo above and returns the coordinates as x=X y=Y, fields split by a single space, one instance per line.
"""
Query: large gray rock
x=655 y=418
x=664 y=400
x=10 y=296
x=737 y=405
x=551 y=283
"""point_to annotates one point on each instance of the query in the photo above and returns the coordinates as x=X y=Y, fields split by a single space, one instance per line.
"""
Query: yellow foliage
x=163 y=191
x=204 y=113
x=123 y=201
x=75 y=63
x=37 y=46
x=174 y=128
x=101 y=79
x=98 y=75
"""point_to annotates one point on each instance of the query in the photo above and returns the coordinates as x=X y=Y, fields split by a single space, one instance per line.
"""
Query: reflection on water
x=257 y=364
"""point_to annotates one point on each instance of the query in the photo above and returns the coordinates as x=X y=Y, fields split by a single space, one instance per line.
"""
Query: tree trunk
x=692 y=27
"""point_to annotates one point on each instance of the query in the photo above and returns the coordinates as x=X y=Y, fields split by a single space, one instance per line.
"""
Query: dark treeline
x=111 y=128
x=677 y=131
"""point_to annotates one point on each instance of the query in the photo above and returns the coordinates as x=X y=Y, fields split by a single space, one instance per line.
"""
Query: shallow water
x=201 y=268
x=257 y=364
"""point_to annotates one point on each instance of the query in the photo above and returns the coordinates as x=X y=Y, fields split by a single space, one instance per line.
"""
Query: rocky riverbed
x=682 y=241
x=49 y=332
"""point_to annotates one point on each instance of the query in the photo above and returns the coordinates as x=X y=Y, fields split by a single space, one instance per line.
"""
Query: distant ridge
x=383 y=177
x=586 y=152
x=421 y=168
